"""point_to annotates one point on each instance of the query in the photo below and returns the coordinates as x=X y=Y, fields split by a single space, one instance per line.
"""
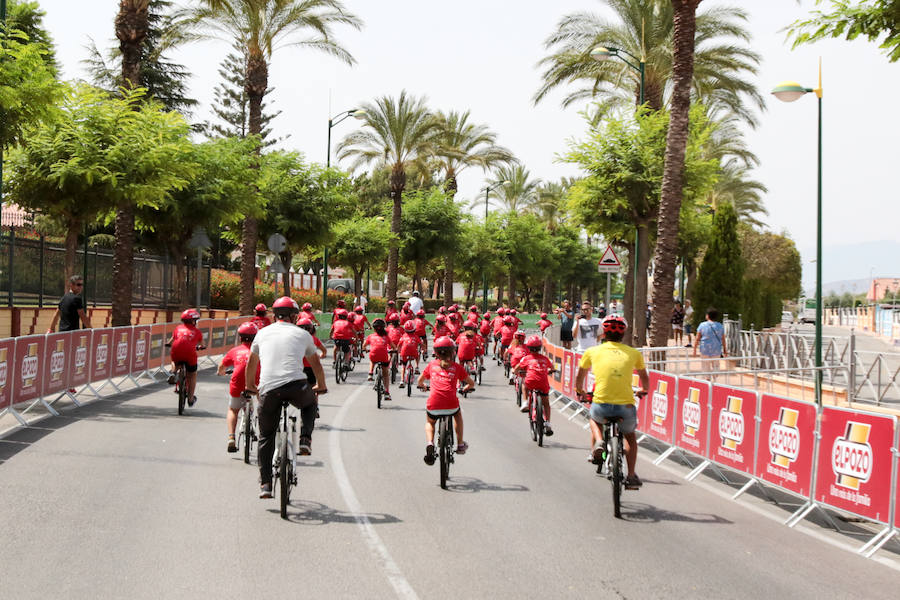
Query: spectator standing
x=711 y=340
x=70 y=311
x=566 y=320
x=586 y=331
x=415 y=303
x=677 y=322
x=363 y=301
x=688 y=321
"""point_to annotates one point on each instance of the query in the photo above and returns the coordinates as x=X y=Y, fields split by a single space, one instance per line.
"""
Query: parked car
x=787 y=317
x=344 y=286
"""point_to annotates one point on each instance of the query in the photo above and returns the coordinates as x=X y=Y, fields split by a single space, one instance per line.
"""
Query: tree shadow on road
x=306 y=512
x=471 y=485
x=638 y=512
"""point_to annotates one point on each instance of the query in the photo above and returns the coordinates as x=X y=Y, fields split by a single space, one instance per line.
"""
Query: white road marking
x=390 y=569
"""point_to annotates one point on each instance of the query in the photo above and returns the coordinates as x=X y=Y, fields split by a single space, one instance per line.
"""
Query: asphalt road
x=125 y=499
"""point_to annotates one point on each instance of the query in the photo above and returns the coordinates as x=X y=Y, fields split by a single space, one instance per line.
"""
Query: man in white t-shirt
x=279 y=349
x=415 y=303
x=586 y=330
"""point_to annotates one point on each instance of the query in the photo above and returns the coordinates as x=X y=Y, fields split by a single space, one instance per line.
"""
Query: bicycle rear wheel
x=518 y=392
x=338 y=362
x=506 y=367
x=394 y=369
x=408 y=378
x=538 y=408
x=182 y=392
x=478 y=373
x=616 y=477
x=444 y=450
x=284 y=474
x=379 y=387
x=247 y=432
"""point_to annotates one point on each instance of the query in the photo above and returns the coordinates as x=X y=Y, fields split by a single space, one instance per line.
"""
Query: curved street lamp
x=790 y=91
x=487 y=193
x=356 y=113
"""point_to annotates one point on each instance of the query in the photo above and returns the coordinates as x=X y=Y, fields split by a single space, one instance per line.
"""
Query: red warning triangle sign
x=609 y=259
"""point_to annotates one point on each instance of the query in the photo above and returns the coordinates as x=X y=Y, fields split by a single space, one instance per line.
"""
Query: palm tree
x=664 y=259
x=398 y=133
x=459 y=145
x=520 y=194
x=261 y=26
x=131 y=25
x=736 y=187
x=550 y=208
x=645 y=28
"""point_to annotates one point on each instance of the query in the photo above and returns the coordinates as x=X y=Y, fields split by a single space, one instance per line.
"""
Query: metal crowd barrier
x=828 y=457
x=42 y=369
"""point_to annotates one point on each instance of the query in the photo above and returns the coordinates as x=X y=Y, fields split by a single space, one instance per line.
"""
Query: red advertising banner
x=121 y=360
x=27 y=369
x=57 y=349
x=896 y=492
x=102 y=353
x=734 y=427
x=568 y=373
x=140 y=348
x=660 y=407
x=7 y=359
x=79 y=357
x=159 y=354
x=205 y=326
x=787 y=437
x=231 y=327
x=218 y=342
x=692 y=424
x=855 y=461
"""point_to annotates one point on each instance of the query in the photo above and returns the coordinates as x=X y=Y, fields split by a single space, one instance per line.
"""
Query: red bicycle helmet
x=395 y=318
x=248 y=328
x=358 y=310
x=444 y=342
x=190 y=315
x=406 y=305
x=341 y=313
x=507 y=320
x=470 y=325
x=486 y=316
x=543 y=315
x=534 y=341
x=520 y=334
x=260 y=308
x=440 y=319
x=306 y=306
x=513 y=312
x=409 y=327
x=420 y=313
x=307 y=324
x=442 y=310
x=391 y=303
x=501 y=311
x=615 y=323
x=286 y=303
x=341 y=303
x=473 y=308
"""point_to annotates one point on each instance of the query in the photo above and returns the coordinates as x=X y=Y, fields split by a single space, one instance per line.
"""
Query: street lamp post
x=639 y=65
x=789 y=91
x=356 y=113
x=487 y=193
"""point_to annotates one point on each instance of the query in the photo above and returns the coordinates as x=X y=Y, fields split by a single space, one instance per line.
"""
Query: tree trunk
x=500 y=293
x=684 y=21
x=357 y=284
x=448 y=280
x=398 y=184
x=131 y=26
x=512 y=291
x=547 y=300
x=628 y=297
x=640 y=317
x=181 y=286
x=286 y=257
x=71 y=251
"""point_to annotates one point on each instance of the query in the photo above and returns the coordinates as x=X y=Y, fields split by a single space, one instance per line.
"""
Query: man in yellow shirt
x=612 y=364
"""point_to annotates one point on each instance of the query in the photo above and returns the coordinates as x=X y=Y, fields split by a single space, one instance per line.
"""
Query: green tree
x=479 y=256
x=28 y=18
x=521 y=193
x=529 y=253
x=98 y=154
x=260 y=26
x=429 y=229
x=873 y=19
x=303 y=201
x=720 y=284
x=397 y=134
x=359 y=243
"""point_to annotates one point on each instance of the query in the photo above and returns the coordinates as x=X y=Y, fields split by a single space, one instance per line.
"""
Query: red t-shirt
x=405 y=316
x=544 y=324
x=359 y=322
x=342 y=329
x=318 y=344
x=395 y=334
x=466 y=350
x=409 y=346
x=440 y=330
x=506 y=335
x=390 y=313
x=454 y=318
x=485 y=327
x=479 y=345
x=518 y=353
x=308 y=314
x=378 y=347
x=261 y=322
x=537 y=367
x=184 y=343
x=453 y=329
x=421 y=324
x=443 y=385
x=237 y=357
x=497 y=324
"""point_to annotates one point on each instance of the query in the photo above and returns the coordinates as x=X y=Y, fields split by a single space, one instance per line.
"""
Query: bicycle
x=479 y=365
x=614 y=457
x=395 y=360
x=519 y=382
x=341 y=366
x=379 y=381
x=536 y=417
x=506 y=365
x=444 y=435
x=180 y=376
x=247 y=426
x=408 y=376
x=284 y=467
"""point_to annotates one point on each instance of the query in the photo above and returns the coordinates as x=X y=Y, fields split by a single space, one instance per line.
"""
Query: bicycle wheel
x=394 y=369
x=538 y=410
x=518 y=392
x=506 y=367
x=345 y=368
x=444 y=445
x=616 y=477
x=478 y=373
x=379 y=387
x=338 y=362
x=408 y=378
x=247 y=432
x=284 y=474
x=182 y=392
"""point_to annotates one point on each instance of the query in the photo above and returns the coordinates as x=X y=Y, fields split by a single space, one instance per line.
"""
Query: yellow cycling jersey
x=612 y=365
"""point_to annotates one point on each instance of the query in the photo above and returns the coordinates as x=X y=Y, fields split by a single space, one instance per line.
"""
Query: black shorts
x=310 y=376
x=187 y=368
x=343 y=345
x=565 y=335
x=496 y=337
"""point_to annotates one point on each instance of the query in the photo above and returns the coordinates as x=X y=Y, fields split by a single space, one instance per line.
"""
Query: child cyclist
x=379 y=344
x=536 y=367
x=409 y=345
x=306 y=312
x=484 y=329
x=506 y=335
x=310 y=327
x=497 y=326
x=260 y=319
x=422 y=326
x=517 y=351
x=445 y=375
x=184 y=342
x=467 y=345
x=360 y=322
x=237 y=358
x=544 y=323
x=342 y=332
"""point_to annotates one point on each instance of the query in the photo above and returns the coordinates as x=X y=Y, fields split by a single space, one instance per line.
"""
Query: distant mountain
x=848 y=268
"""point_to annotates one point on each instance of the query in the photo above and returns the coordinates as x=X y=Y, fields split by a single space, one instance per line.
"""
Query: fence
x=42 y=369
x=32 y=272
x=828 y=457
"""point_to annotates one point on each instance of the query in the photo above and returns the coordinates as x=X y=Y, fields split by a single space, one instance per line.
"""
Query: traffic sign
x=276 y=243
x=609 y=262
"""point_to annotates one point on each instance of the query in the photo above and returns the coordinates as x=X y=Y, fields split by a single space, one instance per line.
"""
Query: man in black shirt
x=71 y=308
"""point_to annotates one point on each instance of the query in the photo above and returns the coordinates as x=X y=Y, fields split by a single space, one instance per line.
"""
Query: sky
x=480 y=55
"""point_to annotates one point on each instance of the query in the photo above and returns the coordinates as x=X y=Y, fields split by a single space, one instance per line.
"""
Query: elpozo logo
x=140 y=348
x=659 y=405
x=81 y=352
x=731 y=423
x=852 y=459
x=58 y=361
x=4 y=367
x=690 y=412
x=122 y=349
x=30 y=365
x=784 y=438
x=102 y=356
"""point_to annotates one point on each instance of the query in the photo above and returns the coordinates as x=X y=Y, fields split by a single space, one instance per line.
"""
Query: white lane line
x=385 y=562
